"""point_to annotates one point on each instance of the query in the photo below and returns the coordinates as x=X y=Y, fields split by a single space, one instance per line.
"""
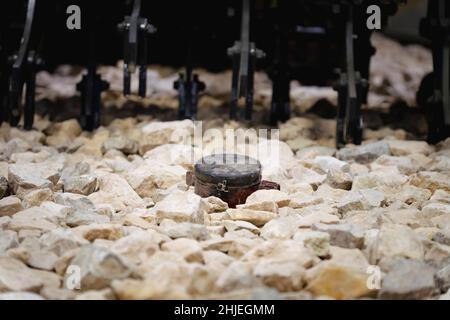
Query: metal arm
x=91 y=87
x=188 y=84
x=280 y=109
x=349 y=120
x=434 y=93
x=135 y=31
x=244 y=54
x=24 y=66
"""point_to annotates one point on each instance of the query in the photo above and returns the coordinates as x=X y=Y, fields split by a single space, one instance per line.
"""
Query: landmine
x=230 y=177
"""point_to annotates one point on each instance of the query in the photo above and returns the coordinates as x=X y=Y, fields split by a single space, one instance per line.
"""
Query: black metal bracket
x=25 y=64
x=91 y=87
x=434 y=93
x=189 y=87
x=243 y=54
x=135 y=31
x=280 y=107
x=350 y=86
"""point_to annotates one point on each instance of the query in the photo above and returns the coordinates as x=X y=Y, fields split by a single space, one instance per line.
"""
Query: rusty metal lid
x=236 y=170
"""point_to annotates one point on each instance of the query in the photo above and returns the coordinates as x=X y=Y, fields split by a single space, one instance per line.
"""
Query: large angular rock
x=412 y=218
x=292 y=187
x=33 y=137
x=10 y=205
x=75 y=201
x=442 y=222
x=36 y=197
x=339 y=179
x=275 y=156
x=60 y=241
x=121 y=143
x=240 y=245
x=238 y=225
x=258 y=218
x=115 y=190
x=158 y=133
x=432 y=181
x=80 y=217
x=78 y=179
x=194 y=279
x=389 y=177
x=168 y=281
x=31 y=157
x=344 y=276
x=327 y=163
x=413 y=195
x=280 y=228
x=216 y=260
x=318 y=242
x=16 y=276
x=373 y=198
x=270 y=206
x=408 y=279
x=181 y=207
x=238 y=275
x=37 y=218
x=99 y=231
x=396 y=241
x=136 y=220
x=284 y=276
x=306 y=175
x=138 y=246
x=98 y=267
x=365 y=153
x=351 y=202
x=441 y=163
x=147 y=179
x=297 y=126
x=189 y=249
x=440 y=196
x=69 y=128
x=279 y=197
x=281 y=250
x=317 y=217
x=405 y=165
x=174 y=155
x=15 y=145
x=242 y=234
x=342 y=235
x=91 y=147
x=8 y=240
x=301 y=200
x=31 y=253
x=330 y=195
x=404 y=147
x=216 y=204
x=24 y=177
x=314 y=151
x=435 y=209
x=339 y=282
